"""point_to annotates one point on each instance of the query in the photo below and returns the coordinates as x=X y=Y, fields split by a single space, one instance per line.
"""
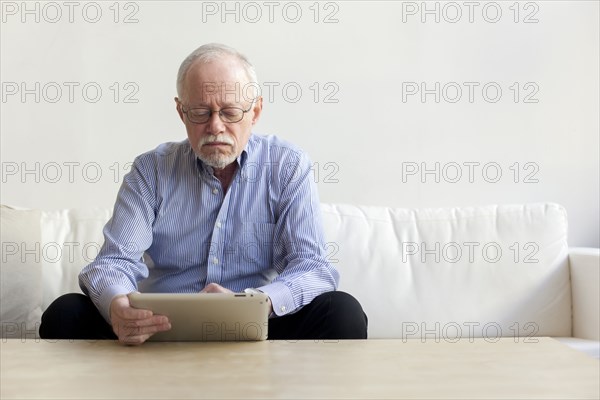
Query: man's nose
x=215 y=124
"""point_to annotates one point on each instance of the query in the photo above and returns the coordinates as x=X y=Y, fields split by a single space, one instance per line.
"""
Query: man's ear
x=257 y=110
x=178 y=107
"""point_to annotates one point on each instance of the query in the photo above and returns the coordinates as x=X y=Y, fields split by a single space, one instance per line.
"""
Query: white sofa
x=435 y=274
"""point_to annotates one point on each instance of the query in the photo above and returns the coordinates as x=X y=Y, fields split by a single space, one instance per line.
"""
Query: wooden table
x=380 y=369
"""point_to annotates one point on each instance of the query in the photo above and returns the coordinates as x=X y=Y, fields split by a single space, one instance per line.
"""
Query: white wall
x=367 y=59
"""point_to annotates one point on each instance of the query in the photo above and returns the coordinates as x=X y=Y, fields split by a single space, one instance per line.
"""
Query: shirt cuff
x=281 y=298
x=106 y=298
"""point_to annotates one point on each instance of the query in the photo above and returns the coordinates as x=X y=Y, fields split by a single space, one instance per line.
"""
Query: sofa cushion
x=71 y=239
x=442 y=273
x=402 y=264
x=42 y=254
x=20 y=273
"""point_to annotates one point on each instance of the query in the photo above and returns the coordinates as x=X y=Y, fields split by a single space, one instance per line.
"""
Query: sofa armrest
x=584 y=265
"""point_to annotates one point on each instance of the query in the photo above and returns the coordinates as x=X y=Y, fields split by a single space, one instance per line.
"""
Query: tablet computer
x=208 y=316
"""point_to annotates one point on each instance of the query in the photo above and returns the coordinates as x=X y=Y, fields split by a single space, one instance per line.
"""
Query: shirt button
x=215 y=190
x=218 y=224
x=282 y=308
x=215 y=260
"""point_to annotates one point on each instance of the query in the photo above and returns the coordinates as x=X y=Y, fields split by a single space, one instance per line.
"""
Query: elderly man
x=224 y=210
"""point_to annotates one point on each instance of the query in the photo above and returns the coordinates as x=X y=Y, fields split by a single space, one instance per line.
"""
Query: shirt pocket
x=256 y=244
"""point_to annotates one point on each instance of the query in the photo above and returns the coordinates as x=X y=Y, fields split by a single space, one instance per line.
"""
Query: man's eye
x=199 y=113
x=230 y=112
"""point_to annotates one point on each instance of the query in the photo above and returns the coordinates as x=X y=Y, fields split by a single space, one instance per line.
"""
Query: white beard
x=217 y=159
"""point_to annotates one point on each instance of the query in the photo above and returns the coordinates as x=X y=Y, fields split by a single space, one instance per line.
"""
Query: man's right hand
x=134 y=326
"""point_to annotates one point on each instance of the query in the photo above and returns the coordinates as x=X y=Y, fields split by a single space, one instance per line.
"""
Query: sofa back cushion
x=436 y=273
x=455 y=272
x=71 y=239
x=42 y=254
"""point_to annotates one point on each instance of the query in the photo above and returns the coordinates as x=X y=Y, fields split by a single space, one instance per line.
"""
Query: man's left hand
x=215 y=288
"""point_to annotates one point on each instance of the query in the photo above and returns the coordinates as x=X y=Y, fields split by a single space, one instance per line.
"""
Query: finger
x=212 y=288
x=154 y=320
x=131 y=329
x=139 y=335
x=215 y=288
x=121 y=307
x=134 y=340
x=134 y=313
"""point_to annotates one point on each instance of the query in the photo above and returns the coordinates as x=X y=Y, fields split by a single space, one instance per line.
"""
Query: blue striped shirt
x=173 y=229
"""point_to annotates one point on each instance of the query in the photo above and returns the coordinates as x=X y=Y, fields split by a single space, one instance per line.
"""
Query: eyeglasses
x=202 y=115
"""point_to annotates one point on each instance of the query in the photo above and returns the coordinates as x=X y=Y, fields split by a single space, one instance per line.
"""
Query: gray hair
x=214 y=51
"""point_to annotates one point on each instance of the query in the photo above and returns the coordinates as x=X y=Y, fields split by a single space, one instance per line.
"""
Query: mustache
x=217 y=138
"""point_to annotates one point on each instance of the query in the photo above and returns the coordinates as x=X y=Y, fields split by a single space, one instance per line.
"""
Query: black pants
x=332 y=315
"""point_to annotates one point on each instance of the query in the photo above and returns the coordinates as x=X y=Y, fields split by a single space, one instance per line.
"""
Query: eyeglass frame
x=211 y=112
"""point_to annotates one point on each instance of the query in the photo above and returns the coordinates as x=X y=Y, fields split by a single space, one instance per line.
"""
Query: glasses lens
x=232 y=114
x=227 y=114
x=199 y=115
